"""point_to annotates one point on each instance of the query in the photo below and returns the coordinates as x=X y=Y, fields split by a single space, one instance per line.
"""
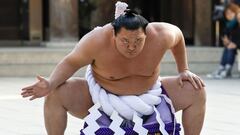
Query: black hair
x=131 y=20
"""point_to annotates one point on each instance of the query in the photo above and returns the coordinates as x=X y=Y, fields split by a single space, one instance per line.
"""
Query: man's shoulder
x=97 y=37
x=105 y=30
x=164 y=32
x=92 y=43
x=164 y=27
x=97 y=34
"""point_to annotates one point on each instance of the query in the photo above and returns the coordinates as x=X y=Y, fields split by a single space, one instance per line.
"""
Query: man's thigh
x=182 y=97
x=75 y=97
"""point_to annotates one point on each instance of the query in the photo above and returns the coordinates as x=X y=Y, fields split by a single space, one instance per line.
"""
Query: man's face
x=130 y=42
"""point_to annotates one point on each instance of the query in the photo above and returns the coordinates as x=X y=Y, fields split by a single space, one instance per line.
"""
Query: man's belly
x=130 y=85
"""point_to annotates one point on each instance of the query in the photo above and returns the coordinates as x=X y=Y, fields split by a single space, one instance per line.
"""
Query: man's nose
x=131 y=47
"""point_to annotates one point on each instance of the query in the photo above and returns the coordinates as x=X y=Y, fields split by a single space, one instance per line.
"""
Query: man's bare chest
x=113 y=68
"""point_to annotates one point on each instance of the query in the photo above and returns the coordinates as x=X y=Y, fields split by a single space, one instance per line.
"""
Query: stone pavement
x=21 y=117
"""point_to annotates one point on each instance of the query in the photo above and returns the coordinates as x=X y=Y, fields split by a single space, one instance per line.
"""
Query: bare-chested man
x=125 y=57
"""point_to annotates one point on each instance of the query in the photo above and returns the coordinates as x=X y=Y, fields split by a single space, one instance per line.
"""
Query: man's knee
x=60 y=93
x=202 y=97
x=53 y=98
x=198 y=95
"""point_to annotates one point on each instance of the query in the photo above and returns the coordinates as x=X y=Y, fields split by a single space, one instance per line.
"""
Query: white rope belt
x=129 y=107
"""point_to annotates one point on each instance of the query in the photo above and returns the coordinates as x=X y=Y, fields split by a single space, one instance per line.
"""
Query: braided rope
x=129 y=107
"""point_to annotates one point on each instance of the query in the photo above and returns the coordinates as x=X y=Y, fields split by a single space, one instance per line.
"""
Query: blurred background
x=36 y=34
x=69 y=20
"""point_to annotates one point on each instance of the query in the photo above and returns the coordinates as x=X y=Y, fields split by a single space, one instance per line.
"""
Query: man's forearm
x=61 y=73
x=179 y=53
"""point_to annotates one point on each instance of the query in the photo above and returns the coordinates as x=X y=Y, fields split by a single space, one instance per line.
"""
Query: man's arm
x=179 y=50
x=81 y=55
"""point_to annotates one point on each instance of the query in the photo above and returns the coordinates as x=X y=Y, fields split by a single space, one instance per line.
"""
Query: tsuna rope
x=129 y=107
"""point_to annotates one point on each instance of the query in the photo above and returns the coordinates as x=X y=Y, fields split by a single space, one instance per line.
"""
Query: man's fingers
x=27 y=94
x=27 y=91
x=180 y=82
x=193 y=82
x=198 y=82
x=40 y=78
x=202 y=82
x=33 y=97
x=28 y=87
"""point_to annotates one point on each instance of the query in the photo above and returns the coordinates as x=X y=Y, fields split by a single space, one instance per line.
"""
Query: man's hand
x=37 y=90
x=195 y=80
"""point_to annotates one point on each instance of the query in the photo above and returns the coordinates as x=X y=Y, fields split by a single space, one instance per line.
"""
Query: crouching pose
x=122 y=92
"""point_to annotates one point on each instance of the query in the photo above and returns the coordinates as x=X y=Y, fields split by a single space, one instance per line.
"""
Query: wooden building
x=67 y=20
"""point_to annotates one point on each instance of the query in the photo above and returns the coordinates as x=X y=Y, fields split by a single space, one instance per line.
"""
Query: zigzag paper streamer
x=138 y=128
x=161 y=124
x=91 y=120
x=115 y=125
x=168 y=100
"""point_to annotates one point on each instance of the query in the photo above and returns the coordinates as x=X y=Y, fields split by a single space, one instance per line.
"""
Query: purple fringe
x=152 y=129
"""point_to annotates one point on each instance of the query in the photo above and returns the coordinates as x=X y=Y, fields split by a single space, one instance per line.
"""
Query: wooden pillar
x=35 y=20
x=104 y=12
x=203 y=23
x=63 y=20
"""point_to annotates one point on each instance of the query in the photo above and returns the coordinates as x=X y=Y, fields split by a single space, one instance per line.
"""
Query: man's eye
x=138 y=41
x=125 y=41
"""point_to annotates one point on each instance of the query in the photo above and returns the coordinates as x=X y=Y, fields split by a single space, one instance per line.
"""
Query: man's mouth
x=132 y=52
